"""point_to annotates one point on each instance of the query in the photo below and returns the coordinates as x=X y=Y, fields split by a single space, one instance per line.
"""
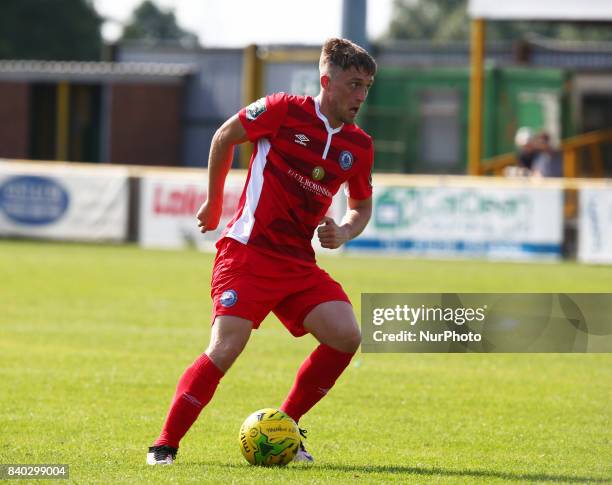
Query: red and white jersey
x=298 y=164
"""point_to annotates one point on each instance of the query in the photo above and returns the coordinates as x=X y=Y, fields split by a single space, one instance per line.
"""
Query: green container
x=535 y=98
x=419 y=117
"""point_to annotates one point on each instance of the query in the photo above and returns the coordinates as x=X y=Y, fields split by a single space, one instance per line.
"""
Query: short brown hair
x=345 y=54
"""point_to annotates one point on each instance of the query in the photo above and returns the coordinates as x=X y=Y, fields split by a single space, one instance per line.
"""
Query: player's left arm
x=358 y=213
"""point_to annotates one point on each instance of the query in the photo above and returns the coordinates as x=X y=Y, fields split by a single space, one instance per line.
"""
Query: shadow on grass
x=436 y=471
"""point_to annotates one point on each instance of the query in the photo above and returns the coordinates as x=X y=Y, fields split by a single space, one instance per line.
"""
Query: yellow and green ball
x=269 y=437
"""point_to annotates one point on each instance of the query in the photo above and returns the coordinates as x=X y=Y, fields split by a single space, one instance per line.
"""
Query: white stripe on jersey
x=330 y=131
x=242 y=228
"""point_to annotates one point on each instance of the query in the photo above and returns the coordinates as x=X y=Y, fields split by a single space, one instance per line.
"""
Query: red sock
x=316 y=376
x=194 y=390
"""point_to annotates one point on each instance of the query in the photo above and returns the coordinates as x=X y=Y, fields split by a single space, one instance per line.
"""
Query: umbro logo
x=301 y=139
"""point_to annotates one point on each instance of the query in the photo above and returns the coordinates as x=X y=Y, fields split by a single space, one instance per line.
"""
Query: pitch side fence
x=432 y=216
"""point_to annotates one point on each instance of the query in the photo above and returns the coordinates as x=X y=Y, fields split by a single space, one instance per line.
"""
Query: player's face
x=347 y=90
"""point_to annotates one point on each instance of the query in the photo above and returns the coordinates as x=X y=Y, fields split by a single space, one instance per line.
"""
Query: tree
x=437 y=20
x=447 y=20
x=150 y=24
x=49 y=30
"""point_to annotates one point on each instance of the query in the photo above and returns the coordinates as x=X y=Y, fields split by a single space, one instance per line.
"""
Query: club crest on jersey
x=228 y=298
x=256 y=108
x=345 y=160
x=318 y=173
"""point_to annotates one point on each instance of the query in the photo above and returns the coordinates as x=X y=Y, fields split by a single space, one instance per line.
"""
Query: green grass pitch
x=93 y=339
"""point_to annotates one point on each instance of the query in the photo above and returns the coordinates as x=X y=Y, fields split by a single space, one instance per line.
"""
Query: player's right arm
x=231 y=133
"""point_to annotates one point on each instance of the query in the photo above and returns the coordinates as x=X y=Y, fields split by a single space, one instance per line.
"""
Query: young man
x=305 y=150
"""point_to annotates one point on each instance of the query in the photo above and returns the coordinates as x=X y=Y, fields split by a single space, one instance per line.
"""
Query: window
x=440 y=143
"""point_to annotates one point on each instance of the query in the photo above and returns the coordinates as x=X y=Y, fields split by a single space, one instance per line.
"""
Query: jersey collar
x=330 y=130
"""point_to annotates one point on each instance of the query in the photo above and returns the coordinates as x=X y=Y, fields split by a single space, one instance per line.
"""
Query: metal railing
x=571 y=148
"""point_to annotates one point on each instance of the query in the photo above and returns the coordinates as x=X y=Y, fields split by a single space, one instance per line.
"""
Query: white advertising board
x=479 y=221
x=42 y=201
x=598 y=10
x=168 y=207
x=169 y=203
x=595 y=225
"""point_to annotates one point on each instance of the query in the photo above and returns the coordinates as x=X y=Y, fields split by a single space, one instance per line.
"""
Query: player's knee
x=229 y=337
x=228 y=348
x=353 y=341
x=222 y=357
x=348 y=341
x=224 y=353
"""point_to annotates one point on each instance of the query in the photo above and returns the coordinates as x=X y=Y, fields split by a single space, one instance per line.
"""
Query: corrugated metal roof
x=100 y=71
x=577 y=55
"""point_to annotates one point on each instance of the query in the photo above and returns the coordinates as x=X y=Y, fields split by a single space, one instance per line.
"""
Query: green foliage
x=49 y=30
x=438 y=20
x=447 y=20
x=151 y=24
x=94 y=338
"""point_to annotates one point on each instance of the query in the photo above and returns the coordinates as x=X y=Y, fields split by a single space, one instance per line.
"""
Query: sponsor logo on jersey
x=318 y=173
x=345 y=160
x=301 y=139
x=309 y=185
x=228 y=298
x=256 y=108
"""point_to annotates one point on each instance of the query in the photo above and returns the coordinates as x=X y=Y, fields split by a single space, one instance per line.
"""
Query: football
x=269 y=437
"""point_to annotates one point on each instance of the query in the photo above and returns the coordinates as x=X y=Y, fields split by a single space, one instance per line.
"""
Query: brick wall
x=145 y=124
x=14 y=119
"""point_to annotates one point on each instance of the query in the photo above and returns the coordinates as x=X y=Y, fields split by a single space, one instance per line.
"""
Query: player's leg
x=228 y=338
x=198 y=384
x=334 y=325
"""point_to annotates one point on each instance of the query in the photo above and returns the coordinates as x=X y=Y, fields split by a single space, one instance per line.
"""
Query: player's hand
x=209 y=216
x=330 y=234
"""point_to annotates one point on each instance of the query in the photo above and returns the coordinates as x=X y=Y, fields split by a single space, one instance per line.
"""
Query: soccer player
x=305 y=149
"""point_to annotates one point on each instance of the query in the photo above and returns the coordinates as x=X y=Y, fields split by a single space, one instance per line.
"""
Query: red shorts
x=249 y=284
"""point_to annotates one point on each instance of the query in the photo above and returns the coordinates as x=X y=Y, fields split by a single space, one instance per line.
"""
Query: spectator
x=524 y=141
x=547 y=161
x=526 y=153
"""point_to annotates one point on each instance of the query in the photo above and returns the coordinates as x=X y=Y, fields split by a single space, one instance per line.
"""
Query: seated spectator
x=526 y=152
x=524 y=141
x=548 y=161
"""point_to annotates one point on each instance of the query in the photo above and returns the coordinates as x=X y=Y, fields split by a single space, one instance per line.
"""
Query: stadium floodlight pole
x=476 y=93
x=354 y=13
